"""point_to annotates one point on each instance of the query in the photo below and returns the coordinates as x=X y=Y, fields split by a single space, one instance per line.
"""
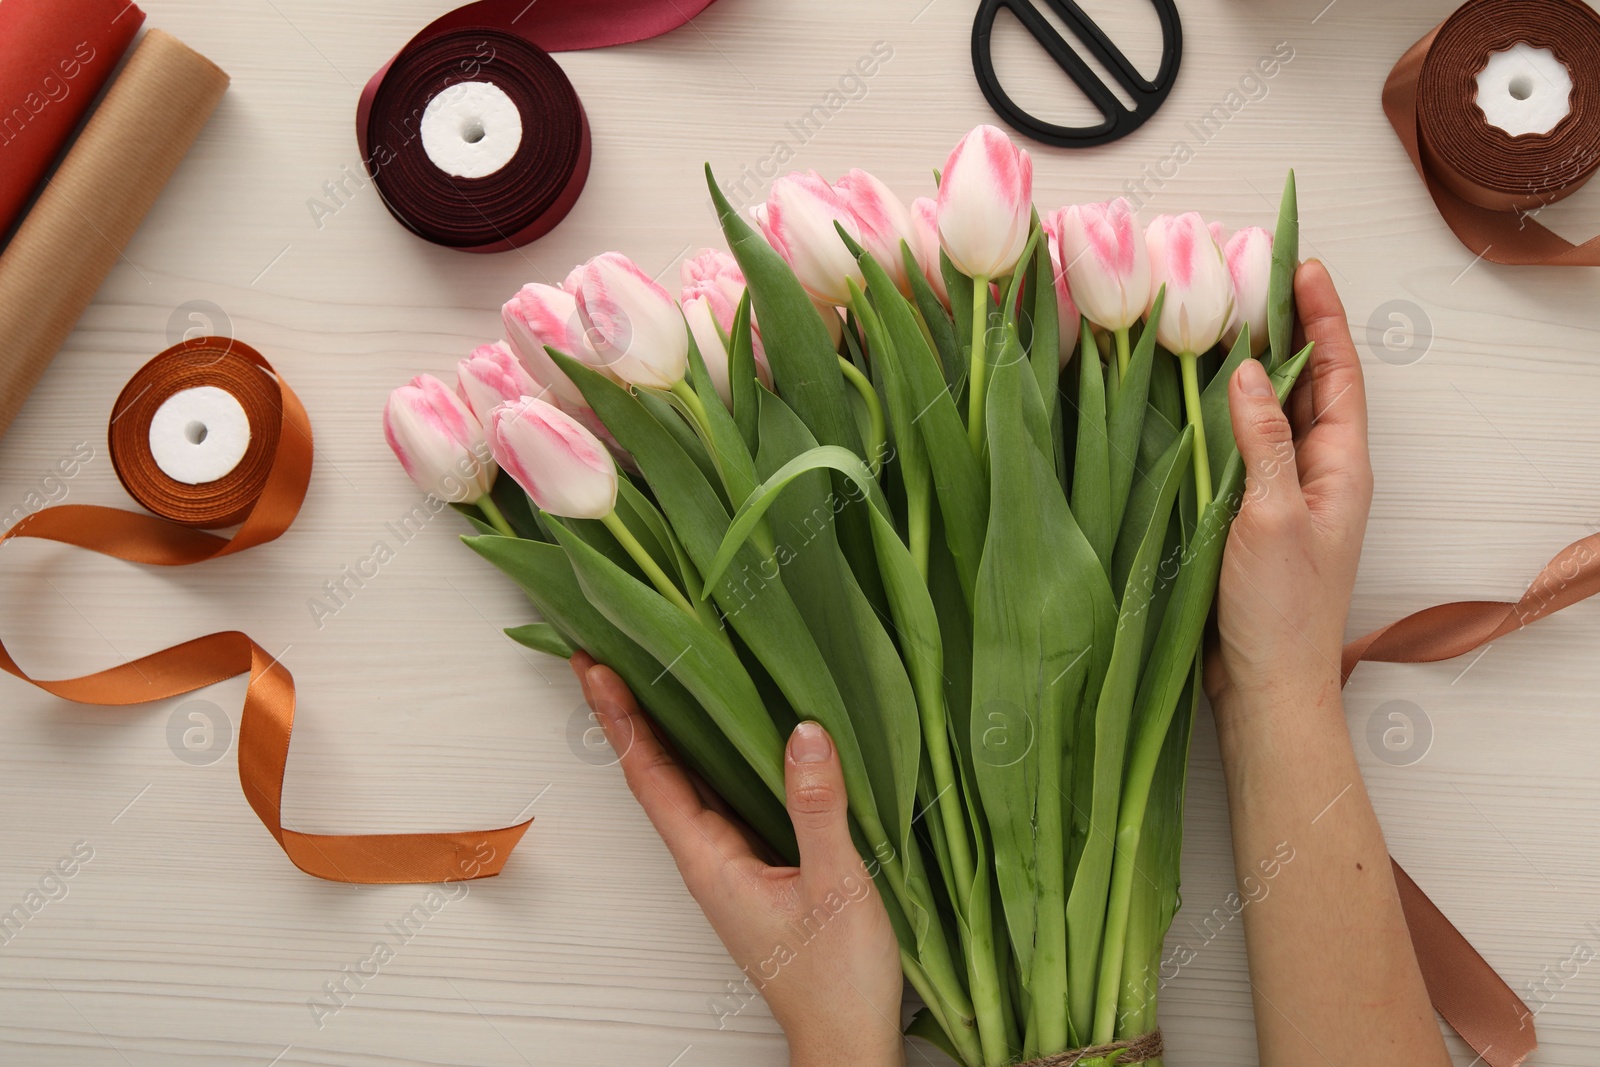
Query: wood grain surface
x=188 y=938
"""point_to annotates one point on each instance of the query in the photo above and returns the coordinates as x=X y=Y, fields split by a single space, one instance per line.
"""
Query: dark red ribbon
x=507 y=44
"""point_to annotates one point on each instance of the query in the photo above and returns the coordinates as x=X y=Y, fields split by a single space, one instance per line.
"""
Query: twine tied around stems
x=1140 y=1049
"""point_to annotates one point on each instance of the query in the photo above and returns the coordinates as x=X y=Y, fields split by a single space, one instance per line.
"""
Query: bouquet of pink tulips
x=853 y=476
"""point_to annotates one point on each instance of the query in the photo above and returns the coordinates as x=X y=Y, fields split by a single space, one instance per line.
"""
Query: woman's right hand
x=1290 y=565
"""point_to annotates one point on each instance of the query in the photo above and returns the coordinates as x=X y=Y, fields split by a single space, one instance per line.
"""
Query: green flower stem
x=980 y=367
x=691 y=401
x=922 y=324
x=983 y=975
x=1049 y=986
x=1122 y=353
x=1191 y=400
x=959 y=1033
x=657 y=576
x=690 y=405
x=494 y=516
x=988 y=1003
x=936 y=961
x=878 y=431
x=918 y=520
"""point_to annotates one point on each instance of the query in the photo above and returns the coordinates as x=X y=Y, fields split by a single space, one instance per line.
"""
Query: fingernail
x=1253 y=379
x=609 y=711
x=810 y=743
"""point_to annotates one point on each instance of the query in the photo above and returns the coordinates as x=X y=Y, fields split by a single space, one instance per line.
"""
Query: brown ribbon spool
x=263 y=494
x=1486 y=183
x=228 y=500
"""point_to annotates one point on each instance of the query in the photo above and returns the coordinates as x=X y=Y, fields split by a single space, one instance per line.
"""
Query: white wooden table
x=189 y=938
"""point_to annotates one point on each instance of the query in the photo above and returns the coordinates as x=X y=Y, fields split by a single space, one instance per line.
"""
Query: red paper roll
x=505 y=46
x=55 y=55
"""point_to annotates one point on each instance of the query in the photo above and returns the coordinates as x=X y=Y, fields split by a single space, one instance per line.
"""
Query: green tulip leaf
x=1091 y=476
x=742 y=372
x=1280 y=283
x=1086 y=906
x=541 y=637
x=544 y=573
x=958 y=477
x=1125 y=420
x=941 y=330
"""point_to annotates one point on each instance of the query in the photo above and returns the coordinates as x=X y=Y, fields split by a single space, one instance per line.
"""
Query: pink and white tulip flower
x=925 y=220
x=491 y=375
x=713 y=274
x=985 y=204
x=438 y=441
x=1249 y=257
x=884 y=221
x=1107 y=263
x=713 y=285
x=540 y=315
x=564 y=468
x=798 y=220
x=1066 y=308
x=633 y=323
x=1199 y=302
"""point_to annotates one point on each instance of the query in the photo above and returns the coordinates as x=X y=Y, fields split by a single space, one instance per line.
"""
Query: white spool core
x=471 y=129
x=1524 y=90
x=199 y=435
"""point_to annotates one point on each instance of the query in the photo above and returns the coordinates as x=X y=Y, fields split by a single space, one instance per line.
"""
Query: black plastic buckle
x=1119 y=121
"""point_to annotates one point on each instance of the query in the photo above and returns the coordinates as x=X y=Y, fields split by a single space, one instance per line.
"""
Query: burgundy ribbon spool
x=507 y=44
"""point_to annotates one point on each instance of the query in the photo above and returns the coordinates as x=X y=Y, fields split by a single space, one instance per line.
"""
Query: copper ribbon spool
x=263 y=493
x=1486 y=183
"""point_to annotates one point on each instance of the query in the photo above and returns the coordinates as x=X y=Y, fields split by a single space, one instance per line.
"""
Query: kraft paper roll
x=55 y=57
x=1487 y=182
x=77 y=229
x=472 y=133
x=263 y=494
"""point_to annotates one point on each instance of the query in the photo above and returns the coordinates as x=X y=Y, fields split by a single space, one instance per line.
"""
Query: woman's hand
x=1332 y=971
x=1290 y=564
x=814 y=940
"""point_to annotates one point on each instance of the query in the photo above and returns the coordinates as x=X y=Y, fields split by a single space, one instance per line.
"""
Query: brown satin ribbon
x=1464 y=988
x=263 y=493
x=1487 y=184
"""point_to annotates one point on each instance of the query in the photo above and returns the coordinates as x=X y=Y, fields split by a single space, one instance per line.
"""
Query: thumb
x=818 y=805
x=1266 y=441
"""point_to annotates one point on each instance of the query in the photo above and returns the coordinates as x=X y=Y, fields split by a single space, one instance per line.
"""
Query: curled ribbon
x=263 y=493
x=1463 y=987
x=1487 y=184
